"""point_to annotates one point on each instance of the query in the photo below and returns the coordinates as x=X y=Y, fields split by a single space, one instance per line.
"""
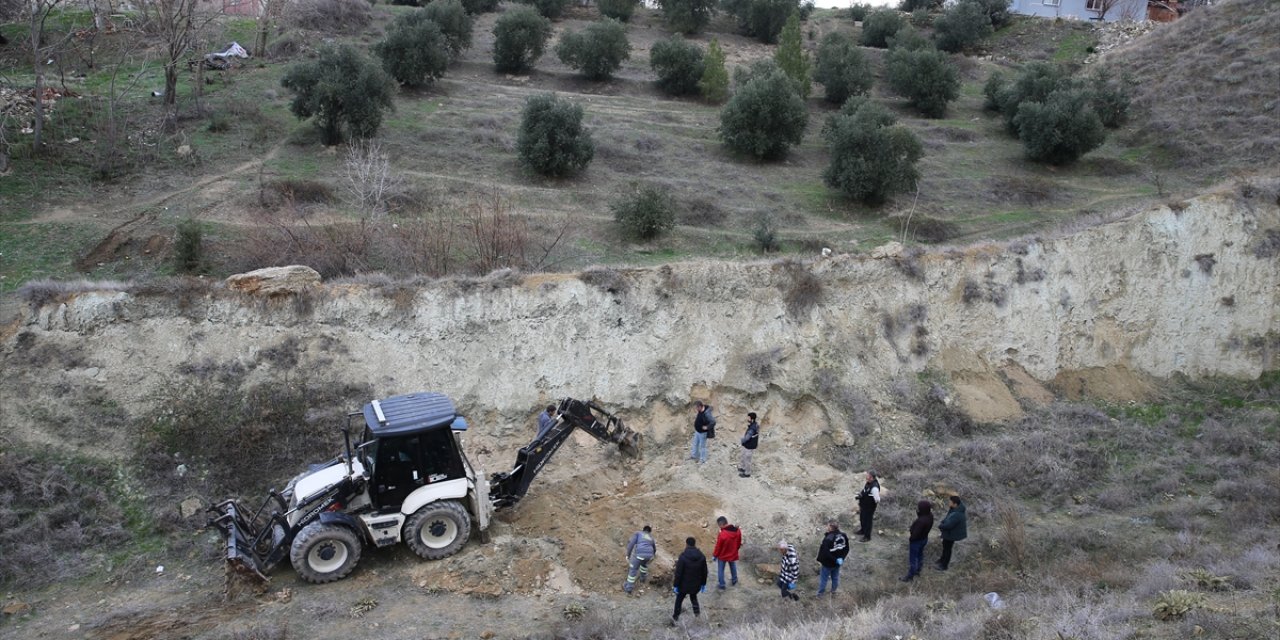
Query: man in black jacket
x=953 y=529
x=690 y=578
x=918 y=539
x=750 y=440
x=704 y=423
x=831 y=555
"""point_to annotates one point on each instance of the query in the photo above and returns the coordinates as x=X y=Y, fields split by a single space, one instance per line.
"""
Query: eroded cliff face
x=1188 y=290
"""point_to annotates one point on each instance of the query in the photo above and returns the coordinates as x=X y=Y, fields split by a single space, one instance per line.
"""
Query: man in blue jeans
x=728 y=542
x=918 y=539
x=831 y=555
x=702 y=422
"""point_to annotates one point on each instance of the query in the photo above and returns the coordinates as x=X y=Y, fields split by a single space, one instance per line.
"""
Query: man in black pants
x=868 y=499
x=690 y=578
x=953 y=529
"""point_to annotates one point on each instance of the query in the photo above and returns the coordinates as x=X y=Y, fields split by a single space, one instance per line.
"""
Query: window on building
x=1051 y=3
x=1094 y=5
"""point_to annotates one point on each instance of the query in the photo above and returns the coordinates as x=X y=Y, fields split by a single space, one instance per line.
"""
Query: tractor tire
x=438 y=530
x=325 y=552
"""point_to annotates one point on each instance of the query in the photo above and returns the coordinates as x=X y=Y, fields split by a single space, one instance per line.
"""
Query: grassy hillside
x=266 y=192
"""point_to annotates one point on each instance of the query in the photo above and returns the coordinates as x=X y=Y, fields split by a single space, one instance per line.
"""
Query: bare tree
x=178 y=25
x=368 y=179
x=1128 y=8
x=268 y=11
x=38 y=13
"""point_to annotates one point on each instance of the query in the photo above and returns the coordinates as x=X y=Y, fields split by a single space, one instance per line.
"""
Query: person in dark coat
x=704 y=423
x=953 y=529
x=868 y=499
x=546 y=420
x=831 y=555
x=690 y=578
x=919 y=538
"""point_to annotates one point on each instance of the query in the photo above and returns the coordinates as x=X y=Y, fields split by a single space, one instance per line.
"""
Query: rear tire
x=438 y=530
x=325 y=552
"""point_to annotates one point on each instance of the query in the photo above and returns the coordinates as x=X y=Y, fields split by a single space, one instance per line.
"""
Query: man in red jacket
x=726 y=552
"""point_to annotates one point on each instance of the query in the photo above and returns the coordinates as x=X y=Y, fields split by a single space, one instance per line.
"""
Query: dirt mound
x=1215 y=103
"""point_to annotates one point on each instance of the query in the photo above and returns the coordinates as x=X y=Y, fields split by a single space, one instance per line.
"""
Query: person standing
x=919 y=537
x=953 y=529
x=868 y=500
x=750 y=440
x=690 y=578
x=728 y=542
x=640 y=551
x=546 y=420
x=703 y=422
x=831 y=555
x=789 y=572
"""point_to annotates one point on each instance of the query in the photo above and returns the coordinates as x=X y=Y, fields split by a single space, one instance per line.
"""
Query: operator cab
x=408 y=443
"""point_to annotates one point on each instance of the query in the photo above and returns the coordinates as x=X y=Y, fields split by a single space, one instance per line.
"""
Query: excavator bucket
x=605 y=426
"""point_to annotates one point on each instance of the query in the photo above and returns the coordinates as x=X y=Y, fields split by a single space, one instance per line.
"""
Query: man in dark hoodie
x=690 y=578
x=728 y=541
x=953 y=529
x=831 y=555
x=919 y=538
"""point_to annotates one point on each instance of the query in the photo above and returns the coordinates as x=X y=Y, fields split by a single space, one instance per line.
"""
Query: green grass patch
x=1075 y=47
x=32 y=252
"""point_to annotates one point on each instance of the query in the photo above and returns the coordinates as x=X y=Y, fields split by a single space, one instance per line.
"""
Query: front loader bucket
x=253 y=544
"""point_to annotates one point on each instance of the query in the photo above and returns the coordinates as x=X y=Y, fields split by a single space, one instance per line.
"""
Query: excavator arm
x=507 y=488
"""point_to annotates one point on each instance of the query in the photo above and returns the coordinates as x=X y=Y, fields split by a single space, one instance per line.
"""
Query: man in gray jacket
x=640 y=551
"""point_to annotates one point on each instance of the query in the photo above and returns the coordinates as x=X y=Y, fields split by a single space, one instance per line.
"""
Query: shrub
x=961 y=26
x=552 y=141
x=188 y=247
x=334 y=16
x=997 y=11
x=858 y=12
x=646 y=212
x=791 y=56
x=803 y=290
x=1110 y=97
x=871 y=157
x=714 y=83
x=841 y=68
x=340 y=87
x=1033 y=84
x=550 y=9
x=474 y=7
x=678 y=65
x=765 y=233
x=991 y=91
x=54 y=514
x=765 y=117
x=620 y=10
x=924 y=77
x=908 y=6
x=687 y=16
x=909 y=38
x=597 y=51
x=1061 y=129
x=762 y=19
x=879 y=26
x=519 y=37
x=414 y=51
x=454 y=22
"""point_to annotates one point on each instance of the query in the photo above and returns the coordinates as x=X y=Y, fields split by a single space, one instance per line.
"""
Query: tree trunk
x=38 y=104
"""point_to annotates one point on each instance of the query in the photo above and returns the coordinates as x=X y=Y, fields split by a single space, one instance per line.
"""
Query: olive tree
x=339 y=87
x=597 y=51
x=552 y=141
x=766 y=116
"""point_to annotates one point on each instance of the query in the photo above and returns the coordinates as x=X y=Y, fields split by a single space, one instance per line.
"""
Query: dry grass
x=1228 y=51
